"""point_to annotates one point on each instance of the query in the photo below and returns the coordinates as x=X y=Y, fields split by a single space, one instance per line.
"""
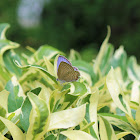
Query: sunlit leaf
x=93 y=110
x=122 y=134
x=120 y=60
x=116 y=92
x=122 y=125
x=16 y=133
x=106 y=130
x=133 y=69
x=47 y=51
x=37 y=67
x=2 y=137
x=103 y=49
x=77 y=135
x=39 y=118
x=67 y=118
x=135 y=93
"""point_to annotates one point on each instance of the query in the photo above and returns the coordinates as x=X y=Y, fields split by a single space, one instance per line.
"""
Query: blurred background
x=77 y=24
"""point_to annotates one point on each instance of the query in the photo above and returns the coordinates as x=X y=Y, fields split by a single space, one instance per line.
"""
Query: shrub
x=102 y=104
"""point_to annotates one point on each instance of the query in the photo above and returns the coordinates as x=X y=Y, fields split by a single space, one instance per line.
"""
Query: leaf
x=6 y=45
x=51 y=137
x=3 y=106
x=122 y=134
x=87 y=117
x=37 y=67
x=2 y=137
x=8 y=58
x=4 y=99
x=133 y=69
x=123 y=118
x=3 y=114
x=106 y=59
x=49 y=66
x=3 y=28
x=103 y=49
x=67 y=118
x=138 y=117
x=74 y=55
x=85 y=67
x=87 y=126
x=135 y=92
x=47 y=51
x=38 y=117
x=78 y=89
x=120 y=60
x=122 y=125
x=16 y=95
x=93 y=110
x=25 y=113
x=116 y=92
x=4 y=76
x=77 y=135
x=106 y=130
x=14 y=130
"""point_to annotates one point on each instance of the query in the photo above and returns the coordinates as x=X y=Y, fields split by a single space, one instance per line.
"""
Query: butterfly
x=65 y=71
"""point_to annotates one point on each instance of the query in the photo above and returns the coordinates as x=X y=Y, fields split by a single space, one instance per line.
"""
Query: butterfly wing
x=62 y=59
x=67 y=73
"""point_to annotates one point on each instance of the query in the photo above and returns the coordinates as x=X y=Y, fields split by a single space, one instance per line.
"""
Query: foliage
x=103 y=104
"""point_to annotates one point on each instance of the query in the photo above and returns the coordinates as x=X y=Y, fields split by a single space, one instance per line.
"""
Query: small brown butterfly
x=65 y=71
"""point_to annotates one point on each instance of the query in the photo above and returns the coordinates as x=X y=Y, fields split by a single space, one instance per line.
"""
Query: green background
x=78 y=24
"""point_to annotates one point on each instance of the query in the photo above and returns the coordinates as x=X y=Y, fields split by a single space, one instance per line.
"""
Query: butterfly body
x=65 y=71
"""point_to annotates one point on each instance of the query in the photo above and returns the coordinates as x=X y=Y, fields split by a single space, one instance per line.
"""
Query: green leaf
x=74 y=55
x=47 y=51
x=8 y=58
x=3 y=106
x=77 y=135
x=38 y=117
x=4 y=99
x=3 y=28
x=3 y=114
x=106 y=59
x=4 y=76
x=85 y=67
x=16 y=95
x=123 y=118
x=122 y=134
x=37 y=67
x=106 y=130
x=67 y=118
x=138 y=117
x=78 y=89
x=13 y=129
x=102 y=51
x=122 y=125
x=87 y=117
x=51 y=137
x=6 y=45
x=25 y=113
